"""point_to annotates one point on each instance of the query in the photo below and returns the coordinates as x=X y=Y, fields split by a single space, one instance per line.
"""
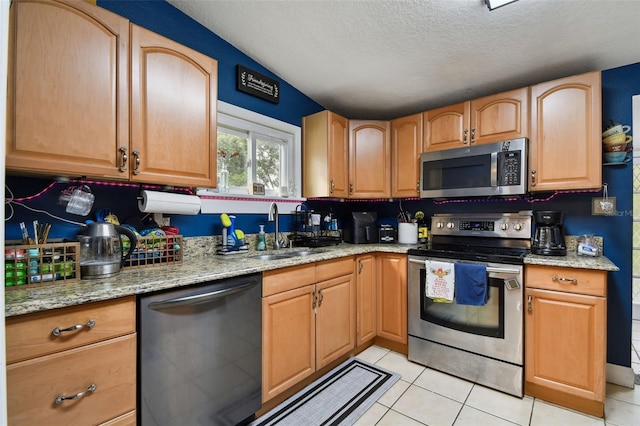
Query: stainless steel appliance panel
x=493 y=169
x=508 y=348
x=200 y=354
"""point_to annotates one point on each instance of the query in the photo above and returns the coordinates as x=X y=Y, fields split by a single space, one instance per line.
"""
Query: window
x=256 y=149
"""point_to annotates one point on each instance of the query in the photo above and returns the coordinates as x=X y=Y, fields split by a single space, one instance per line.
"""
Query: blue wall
x=157 y=15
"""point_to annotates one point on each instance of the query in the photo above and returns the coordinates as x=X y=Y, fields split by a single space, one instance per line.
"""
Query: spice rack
x=156 y=251
x=29 y=264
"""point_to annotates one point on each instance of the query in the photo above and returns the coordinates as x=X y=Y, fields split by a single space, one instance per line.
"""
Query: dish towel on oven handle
x=471 y=284
x=440 y=282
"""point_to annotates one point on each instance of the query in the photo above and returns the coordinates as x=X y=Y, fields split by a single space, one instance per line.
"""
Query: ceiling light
x=494 y=4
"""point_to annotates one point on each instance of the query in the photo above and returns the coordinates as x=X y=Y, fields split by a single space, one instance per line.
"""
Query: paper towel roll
x=166 y=202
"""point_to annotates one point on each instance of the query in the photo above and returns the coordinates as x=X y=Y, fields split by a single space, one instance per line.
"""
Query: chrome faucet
x=273 y=217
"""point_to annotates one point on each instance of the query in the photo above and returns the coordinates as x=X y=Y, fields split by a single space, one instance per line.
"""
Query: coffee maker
x=548 y=239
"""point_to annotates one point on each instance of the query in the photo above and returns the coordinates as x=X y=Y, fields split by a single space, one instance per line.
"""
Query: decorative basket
x=156 y=251
x=34 y=264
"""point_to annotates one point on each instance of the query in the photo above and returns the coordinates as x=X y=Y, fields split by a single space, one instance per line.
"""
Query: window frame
x=234 y=117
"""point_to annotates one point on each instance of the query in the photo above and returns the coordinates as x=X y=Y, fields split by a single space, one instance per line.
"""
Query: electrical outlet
x=603 y=206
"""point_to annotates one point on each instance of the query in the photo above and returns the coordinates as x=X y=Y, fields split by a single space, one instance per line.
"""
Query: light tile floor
x=427 y=397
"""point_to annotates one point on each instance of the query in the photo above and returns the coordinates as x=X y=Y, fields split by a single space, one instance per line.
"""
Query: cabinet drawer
x=33 y=385
x=579 y=281
x=284 y=279
x=334 y=268
x=128 y=419
x=29 y=336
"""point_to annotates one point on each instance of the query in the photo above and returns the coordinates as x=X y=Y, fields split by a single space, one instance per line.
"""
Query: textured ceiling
x=381 y=59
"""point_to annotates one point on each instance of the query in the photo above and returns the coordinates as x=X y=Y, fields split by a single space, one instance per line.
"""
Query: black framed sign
x=256 y=84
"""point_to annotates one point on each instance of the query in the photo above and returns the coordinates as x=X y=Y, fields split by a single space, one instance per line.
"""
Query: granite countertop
x=193 y=270
x=204 y=266
x=572 y=260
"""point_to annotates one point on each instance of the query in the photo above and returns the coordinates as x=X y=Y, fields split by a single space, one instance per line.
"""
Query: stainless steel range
x=484 y=343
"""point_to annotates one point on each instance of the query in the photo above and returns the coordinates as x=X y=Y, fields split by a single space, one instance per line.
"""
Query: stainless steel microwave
x=492 y=169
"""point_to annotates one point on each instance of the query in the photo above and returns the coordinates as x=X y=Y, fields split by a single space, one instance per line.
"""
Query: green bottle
x=262 y=242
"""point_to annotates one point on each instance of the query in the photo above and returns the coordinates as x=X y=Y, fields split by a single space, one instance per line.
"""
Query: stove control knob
x=451 y=225
x=517 y=227
x=440 y=225
x=504 y=226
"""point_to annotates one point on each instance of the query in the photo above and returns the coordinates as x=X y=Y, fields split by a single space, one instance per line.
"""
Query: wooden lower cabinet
x=565 y=337
x=44 y=368
x=288 y=339
x=308 y=321
x=366 y=298
x=392 y=297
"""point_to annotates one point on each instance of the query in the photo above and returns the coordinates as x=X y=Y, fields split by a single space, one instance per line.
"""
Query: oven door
x=494 y=330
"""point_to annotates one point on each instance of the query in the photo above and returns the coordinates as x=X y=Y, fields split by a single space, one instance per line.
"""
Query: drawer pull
x=58 y=331
x=571 y=280
x=60 y=399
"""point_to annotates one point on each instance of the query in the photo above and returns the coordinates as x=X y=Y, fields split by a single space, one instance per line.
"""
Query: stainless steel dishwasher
x=200 y=354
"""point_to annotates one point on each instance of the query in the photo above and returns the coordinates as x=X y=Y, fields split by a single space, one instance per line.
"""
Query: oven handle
x=490 y=269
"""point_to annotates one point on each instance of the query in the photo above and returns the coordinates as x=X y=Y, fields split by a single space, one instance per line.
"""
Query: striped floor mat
x=339 y=397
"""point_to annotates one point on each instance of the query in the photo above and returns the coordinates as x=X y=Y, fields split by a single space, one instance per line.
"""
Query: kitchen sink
x=284 y=255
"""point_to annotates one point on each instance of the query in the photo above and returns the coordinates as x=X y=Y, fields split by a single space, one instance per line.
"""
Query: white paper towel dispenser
x=166 y=202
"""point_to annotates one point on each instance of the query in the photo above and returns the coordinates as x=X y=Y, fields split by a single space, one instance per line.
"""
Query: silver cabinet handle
x=571 y=280
x=533 y=178
x=123 y=165
x=315 y=300
x=333 y=186
x=61 y=398
x=361 y=266
x=464 y=137
x=473 y=135
x=58 y=331
x=321 y=297
x=136 y=168
x=529 y=303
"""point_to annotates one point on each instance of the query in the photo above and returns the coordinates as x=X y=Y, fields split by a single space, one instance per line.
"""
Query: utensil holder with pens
x=35 y=264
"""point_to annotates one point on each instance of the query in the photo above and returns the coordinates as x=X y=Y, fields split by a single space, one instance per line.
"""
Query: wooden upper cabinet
x=406 y=147
x=444 y=128
x=67 y=105
x=173 y=112
x=566 y=123
x=325 y=155
x=369 y=159
x=500 y=117
x=488 y=119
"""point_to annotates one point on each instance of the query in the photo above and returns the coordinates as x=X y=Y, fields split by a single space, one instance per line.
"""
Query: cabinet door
x=335 y=319
x=566 y=123
x=392 y=297
x=173 y=112
x=565 y=348
x=369 y=159
x=34 y=385
x=500 y=117
x=338 y=156
x=365 y=299
x=67 y=100
x=406 y=147
x=325 y=155
x=446 y=127
x=288 y=339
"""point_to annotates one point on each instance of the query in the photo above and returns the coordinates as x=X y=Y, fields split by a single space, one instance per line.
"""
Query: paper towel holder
x=168 y=203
